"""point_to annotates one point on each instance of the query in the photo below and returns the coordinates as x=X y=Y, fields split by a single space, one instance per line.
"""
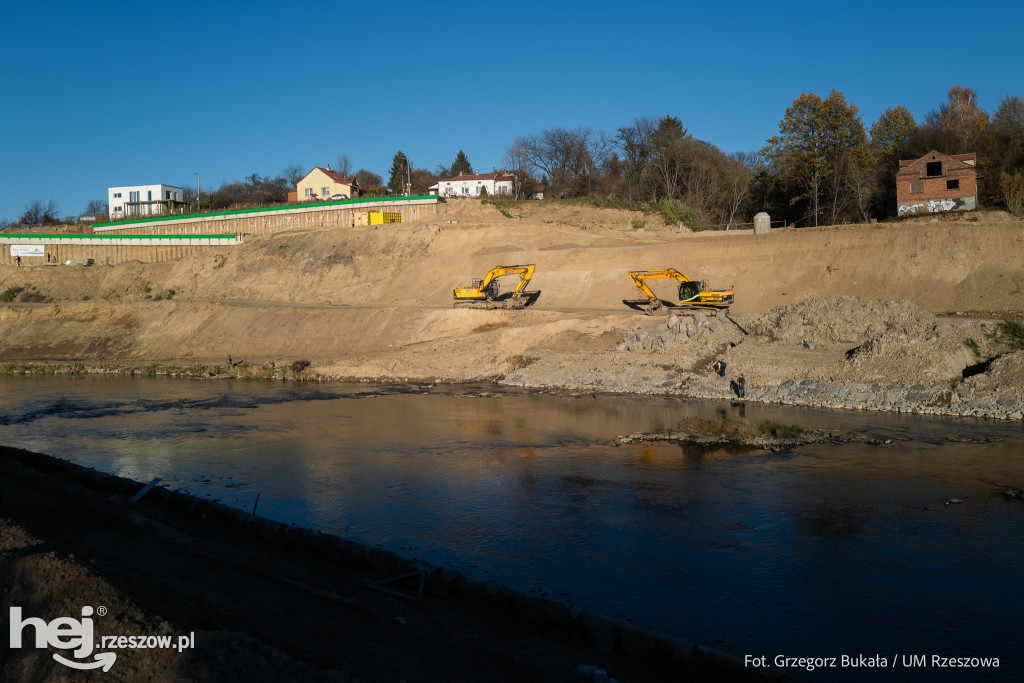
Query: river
x=822 y=551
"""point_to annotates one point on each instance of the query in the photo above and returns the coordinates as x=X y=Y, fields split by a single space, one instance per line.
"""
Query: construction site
x=918 y=305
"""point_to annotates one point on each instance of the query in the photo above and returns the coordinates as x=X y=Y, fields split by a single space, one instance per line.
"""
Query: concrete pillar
x=762 y=224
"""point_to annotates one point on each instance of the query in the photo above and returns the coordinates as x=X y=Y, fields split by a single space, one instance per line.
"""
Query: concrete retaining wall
x=265 y=221
x=119 y=242
x=63 y=248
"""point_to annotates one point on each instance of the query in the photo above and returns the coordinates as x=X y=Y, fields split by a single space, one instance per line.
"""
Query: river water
x=823 y=551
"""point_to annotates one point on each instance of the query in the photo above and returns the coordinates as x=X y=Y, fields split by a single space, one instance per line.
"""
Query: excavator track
x=507 y=304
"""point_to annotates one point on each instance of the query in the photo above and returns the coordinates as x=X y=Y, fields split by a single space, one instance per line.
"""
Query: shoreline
x=897 y=398
x=485 y=623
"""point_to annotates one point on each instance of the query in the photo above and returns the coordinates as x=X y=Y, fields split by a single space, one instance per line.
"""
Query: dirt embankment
x=838 y=304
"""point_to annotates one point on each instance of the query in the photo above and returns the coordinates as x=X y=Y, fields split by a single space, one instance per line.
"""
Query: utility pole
x=199 y=196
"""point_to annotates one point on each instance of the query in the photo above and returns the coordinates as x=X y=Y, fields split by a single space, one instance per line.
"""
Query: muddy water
x=824 y=551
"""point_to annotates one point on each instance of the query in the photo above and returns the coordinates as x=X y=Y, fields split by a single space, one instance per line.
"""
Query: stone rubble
x=661 y=336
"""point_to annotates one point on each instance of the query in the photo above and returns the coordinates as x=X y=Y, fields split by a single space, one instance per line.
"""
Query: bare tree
x=862 y=187
x=96 y=207
x=600 y=148
x=738 y=179
x=558 y=152
x=344 y=165
x=38 y=212
x=635 y=141
x=517 y=162
x=293 y=173
x=703 y=181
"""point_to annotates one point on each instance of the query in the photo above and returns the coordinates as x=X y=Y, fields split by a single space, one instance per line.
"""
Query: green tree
x=819 y=141
x=461 y=165
x=890 y=134
x=399 y=173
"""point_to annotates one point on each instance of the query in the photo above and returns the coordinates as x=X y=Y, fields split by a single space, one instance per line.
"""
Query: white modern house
x=144 y=200
x=469 y=185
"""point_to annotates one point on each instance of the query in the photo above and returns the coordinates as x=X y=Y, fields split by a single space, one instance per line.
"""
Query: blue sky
x=104 y=94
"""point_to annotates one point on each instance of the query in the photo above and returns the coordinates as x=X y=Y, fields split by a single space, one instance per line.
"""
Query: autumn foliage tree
x=821 y=142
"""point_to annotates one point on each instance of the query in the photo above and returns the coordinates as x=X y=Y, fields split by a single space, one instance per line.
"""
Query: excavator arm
x=691 y=292
x=639 y=278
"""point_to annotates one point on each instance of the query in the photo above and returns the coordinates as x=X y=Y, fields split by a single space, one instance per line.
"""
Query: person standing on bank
x=741 y=386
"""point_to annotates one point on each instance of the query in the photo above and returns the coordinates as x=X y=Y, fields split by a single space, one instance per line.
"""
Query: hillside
x=375 y=302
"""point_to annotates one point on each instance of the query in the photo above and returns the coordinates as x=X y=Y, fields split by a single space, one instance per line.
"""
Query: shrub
x=299 y=365
x=735 y=428
x=1010 y=333
x=674 y=211
x=1012 y=185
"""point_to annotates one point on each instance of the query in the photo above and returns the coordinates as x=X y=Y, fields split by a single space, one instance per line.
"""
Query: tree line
x=823 y=167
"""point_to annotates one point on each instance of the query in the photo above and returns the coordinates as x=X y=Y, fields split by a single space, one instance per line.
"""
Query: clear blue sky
x=112 y=93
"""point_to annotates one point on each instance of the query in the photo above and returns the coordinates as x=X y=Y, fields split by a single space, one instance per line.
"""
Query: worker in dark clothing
x=719 y=368
x=741 y=386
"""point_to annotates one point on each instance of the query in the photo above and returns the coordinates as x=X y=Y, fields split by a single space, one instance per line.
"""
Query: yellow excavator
x=691 y=292
x=484 y=293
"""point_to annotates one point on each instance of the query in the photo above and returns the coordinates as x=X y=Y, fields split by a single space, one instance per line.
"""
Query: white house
x=144 y=200
x=469 y=185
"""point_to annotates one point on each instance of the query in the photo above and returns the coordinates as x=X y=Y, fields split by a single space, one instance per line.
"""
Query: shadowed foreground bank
x=268 y=602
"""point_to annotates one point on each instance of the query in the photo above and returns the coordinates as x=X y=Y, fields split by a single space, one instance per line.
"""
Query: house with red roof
x=471 y=185
x=321 y=184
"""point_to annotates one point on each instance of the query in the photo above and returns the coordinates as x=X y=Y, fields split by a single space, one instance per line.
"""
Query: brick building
x=937 y=182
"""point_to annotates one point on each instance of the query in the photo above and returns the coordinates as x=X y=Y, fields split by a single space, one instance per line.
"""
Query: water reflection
x=821 y=549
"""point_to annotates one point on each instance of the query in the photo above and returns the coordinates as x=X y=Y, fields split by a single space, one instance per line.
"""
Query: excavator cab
x=690 y=291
